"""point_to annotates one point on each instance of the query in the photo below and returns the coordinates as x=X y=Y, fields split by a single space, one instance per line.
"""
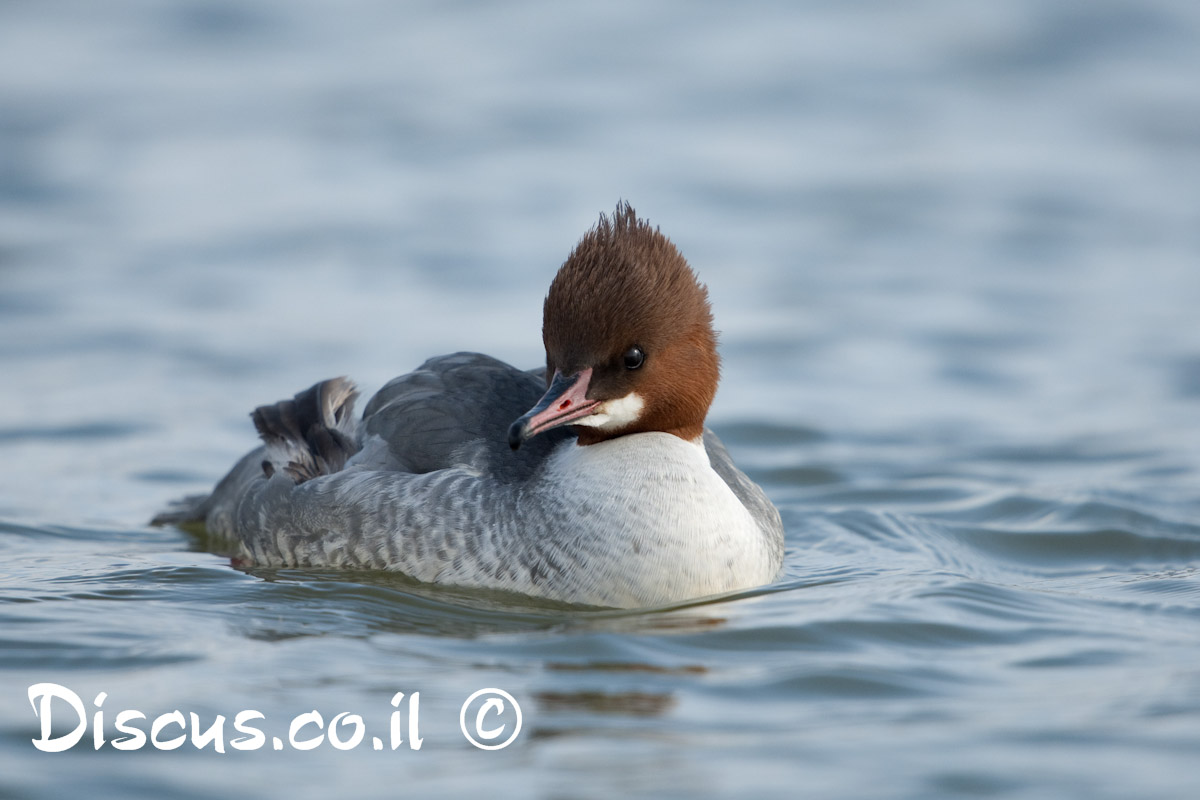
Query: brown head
x=629 y=340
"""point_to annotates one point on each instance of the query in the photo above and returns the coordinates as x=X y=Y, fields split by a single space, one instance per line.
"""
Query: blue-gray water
x=954 y=250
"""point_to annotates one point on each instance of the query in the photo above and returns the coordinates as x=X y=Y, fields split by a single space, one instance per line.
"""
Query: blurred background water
x=954 y=250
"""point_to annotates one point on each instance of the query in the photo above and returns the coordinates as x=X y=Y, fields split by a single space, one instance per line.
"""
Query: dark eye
x=634 y=358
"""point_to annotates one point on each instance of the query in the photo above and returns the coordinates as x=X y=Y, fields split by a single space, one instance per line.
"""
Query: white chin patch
x=614 y=414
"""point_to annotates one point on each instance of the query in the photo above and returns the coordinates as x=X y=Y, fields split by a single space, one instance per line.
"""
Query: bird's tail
x=185 y=510
x=312 y=434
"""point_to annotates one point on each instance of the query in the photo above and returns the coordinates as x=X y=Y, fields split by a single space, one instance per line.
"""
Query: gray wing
x=455 y=411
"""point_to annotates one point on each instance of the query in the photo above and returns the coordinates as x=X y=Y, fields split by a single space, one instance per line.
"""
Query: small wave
x=1041 y=533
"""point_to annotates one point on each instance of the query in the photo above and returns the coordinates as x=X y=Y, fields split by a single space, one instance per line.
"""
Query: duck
x=591 y=480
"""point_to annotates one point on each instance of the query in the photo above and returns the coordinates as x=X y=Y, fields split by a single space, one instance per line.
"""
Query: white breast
x=653 y=522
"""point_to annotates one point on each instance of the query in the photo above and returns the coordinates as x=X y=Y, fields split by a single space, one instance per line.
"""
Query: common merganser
x=606 y=491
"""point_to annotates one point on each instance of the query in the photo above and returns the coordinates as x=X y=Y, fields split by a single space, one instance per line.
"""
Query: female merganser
x=607 y=491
